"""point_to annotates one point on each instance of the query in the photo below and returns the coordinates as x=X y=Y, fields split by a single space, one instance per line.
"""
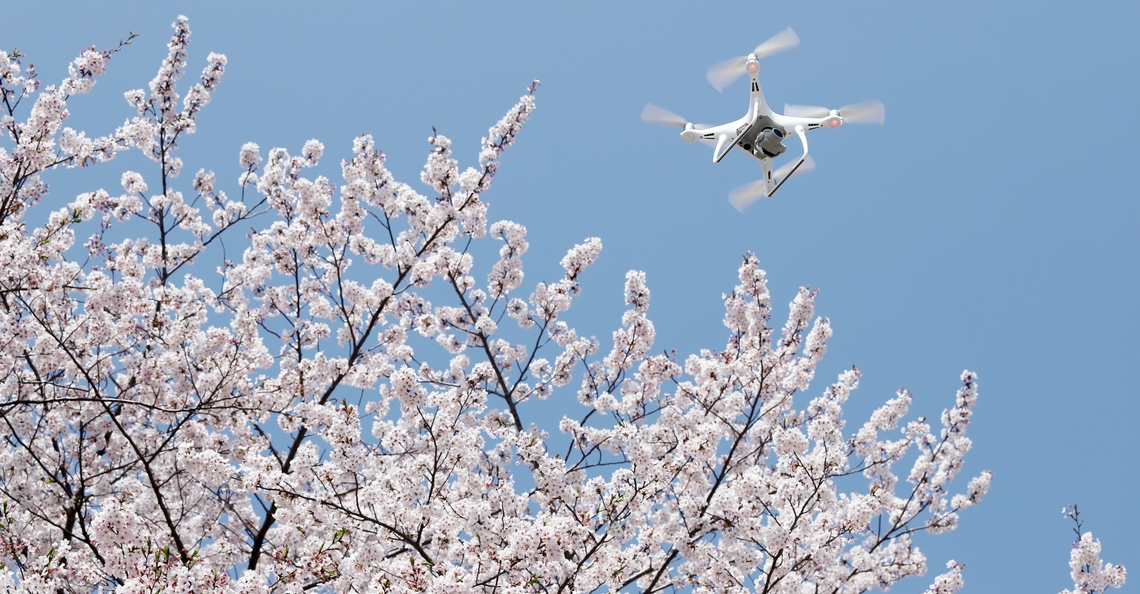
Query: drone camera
x=768 y=143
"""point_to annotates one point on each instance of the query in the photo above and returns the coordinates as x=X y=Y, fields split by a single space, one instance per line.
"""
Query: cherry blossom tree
x=350 y=405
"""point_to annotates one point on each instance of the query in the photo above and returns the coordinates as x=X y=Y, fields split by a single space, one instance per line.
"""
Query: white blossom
x=339 y=403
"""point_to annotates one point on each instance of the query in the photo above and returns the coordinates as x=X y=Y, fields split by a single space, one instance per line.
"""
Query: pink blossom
x=337 y=402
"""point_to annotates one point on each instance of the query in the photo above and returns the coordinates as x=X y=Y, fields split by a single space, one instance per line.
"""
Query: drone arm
x=809 y=123
x=803 y=140
x=725 y=142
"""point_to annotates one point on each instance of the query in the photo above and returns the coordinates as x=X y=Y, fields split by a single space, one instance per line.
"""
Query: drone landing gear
x=744 y=196
x=784 y=172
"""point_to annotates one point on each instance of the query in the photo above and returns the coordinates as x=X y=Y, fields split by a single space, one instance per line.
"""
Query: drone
x=761 y=132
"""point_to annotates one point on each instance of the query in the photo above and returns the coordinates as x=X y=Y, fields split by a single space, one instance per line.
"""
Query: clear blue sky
x=990 y=224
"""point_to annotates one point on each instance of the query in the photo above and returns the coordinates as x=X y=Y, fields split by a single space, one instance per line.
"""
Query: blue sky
x=990 y=224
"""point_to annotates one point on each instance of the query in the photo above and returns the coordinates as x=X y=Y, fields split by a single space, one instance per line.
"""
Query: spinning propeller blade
x=660 y=115
x=780 y=42
x=743 y=197
x=805 y=111
x=721 y=75
x=867 y=112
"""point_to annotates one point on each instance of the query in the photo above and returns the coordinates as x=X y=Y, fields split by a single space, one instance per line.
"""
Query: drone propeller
x=721 y=75
x=660 y=115
x=805 y=111
x=867 y=112
x=743 y=197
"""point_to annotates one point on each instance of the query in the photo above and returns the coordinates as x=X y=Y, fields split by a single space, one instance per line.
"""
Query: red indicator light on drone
x=833 y=122
x=753 y=67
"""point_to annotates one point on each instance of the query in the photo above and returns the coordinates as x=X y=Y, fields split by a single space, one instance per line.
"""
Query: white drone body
x=761 y=132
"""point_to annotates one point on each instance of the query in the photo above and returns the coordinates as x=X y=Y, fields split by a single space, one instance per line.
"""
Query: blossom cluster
x=349 y=403
x=42 y=142
x=1090 y=575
